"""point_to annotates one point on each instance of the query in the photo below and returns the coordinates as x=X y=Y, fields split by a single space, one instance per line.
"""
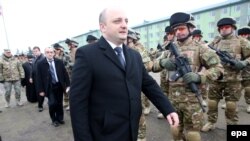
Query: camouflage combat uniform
x=181 y=96
x=230 y=83
x=11 y=72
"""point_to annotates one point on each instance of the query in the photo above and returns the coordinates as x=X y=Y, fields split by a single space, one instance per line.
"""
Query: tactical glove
x=168 y=64
x=191 y=77
x=2 y=81
x=241 y=65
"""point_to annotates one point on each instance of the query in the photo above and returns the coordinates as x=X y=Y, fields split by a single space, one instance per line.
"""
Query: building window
x=237 y=8
x=211 y=25
x=212 y=13
x=211 y=35
x=224 y=10
x=145 y=36
x=151 y=35
x=237 y=20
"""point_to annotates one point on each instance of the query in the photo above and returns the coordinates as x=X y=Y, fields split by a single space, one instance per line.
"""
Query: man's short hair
x=36 y=47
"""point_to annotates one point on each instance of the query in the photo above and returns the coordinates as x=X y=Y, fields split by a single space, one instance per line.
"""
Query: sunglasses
x=225 y=27
x=181 y=29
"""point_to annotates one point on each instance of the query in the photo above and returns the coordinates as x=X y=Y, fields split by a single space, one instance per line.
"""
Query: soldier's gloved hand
x=241 y=65
x=191 y=77
x=2 y=81
x=168 y=64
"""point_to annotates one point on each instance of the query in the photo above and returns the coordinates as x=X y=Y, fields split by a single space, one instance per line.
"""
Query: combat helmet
x=244 y=30
x=132 y=34
x=181 y=18
x=227 y=21
x=197 y=32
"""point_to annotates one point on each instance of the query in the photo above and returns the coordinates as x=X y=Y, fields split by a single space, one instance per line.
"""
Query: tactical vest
x=233 y=47
x=179 y=91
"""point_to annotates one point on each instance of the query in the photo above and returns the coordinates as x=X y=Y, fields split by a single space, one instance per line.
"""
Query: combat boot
x=223 y=106
x=248 y=108
x=208 y=126
x=204 y=103
x=146 y=111
x=141 y=139
x=160 y=116
x=7 y=105
x=19 y=103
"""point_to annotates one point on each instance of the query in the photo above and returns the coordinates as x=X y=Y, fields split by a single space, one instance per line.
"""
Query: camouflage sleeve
x=1 y=71
x=20 y=69
x=211 y=62
x=245 y=46
x=156 y=64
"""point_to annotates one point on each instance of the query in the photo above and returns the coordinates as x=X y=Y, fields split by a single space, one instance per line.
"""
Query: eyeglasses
x=225 y=27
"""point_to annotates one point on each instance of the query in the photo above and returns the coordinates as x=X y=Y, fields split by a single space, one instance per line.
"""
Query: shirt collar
x=113 y=45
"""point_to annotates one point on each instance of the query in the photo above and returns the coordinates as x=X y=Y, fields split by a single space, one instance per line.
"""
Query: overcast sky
x=44 y=22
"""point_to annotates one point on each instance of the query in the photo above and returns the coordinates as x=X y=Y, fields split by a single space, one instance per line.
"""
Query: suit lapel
x=109 y=52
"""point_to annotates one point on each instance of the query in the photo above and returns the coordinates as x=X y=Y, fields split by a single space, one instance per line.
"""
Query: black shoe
x=61 y=122
x=40 y=109
x=55 y=124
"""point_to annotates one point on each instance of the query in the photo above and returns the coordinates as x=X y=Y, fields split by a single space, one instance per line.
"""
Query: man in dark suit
x=107 y=80
x=30 y=87
x=52 y=79
x=38 y=56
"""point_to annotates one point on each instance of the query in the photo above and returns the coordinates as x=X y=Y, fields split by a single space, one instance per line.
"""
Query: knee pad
x=247 y=90
x=231 y=106
x=212 y=104
x=193 y=136
x=176 y=133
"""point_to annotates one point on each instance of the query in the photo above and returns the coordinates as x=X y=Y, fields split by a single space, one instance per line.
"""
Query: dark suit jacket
x=43 y=76
x=105 y=99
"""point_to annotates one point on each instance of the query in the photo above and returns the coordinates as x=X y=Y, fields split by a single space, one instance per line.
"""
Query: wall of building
x=152 y=32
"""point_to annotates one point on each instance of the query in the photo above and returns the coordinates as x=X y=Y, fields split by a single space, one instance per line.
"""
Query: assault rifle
x=225 y=57
x=183 y=68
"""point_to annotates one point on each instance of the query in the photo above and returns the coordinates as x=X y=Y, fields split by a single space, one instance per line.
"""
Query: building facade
x=206 y=18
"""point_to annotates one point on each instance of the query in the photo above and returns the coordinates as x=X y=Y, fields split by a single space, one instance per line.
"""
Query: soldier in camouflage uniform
x=180 y=94
x=72 y=51
x=59 y=53
x=11 y=72
x=229 y=85
x=197 y=36
x=163 y=74
x=132 y=42
x=245 y=33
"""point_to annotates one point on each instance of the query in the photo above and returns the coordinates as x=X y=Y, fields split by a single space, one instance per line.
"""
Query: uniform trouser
x=145 y=102
x=189 y=111
x=191 y=120
x=204 y=91
x=142 y=127
x=163 y=82
x=246 y=87
x=142 y=123
x=66 y=98
x=8 y=88
x=232 y=92
x=55 y=102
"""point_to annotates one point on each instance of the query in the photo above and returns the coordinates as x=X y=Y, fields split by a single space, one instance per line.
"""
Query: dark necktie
x=118 y=50
x=52 y=72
